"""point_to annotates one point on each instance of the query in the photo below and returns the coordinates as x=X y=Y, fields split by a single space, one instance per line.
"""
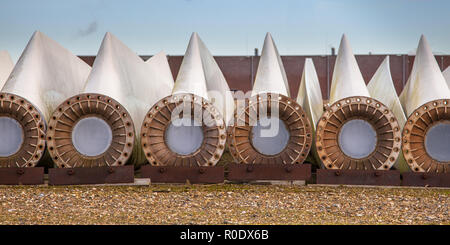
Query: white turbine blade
x=200 y=75
x=6 y=66
x=426 y=82
x=310 y=95
x=347 y=78
x=122 y=75
x=46 y=74
x=270 y=76
x=191 y=76
x=446 y=75
x=218 y=90
x=381 y=87
x=160 y=76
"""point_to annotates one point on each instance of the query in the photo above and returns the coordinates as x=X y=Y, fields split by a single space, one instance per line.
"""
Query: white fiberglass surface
x=357 y=138
x=91 y=136
x=437 y=142
x=270 y=135
x=11 y=136
x=184 y=136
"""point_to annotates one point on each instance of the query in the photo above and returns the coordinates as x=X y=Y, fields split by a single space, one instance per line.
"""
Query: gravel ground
x=222 y=204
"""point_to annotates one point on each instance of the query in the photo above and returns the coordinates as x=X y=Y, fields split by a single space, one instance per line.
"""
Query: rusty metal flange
x=370 y=110
x=417 y=126
x=33 y=126
x=292 y=114
x=158 y=120
x=66 y=116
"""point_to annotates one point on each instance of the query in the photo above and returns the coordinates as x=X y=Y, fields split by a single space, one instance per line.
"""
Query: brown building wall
x=240 y=71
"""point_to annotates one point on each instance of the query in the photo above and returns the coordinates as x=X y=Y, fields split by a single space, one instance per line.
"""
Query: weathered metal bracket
x=254 y=172
x=426 y=179
x=22 y=176
x=95 y=175
x=172 y=174
x=358 y=177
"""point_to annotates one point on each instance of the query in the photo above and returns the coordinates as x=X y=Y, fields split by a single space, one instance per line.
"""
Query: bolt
x=202 y=171
x=70 y=172
x=377 y=174
x=250 y=169
x=162 y=170
x=110 y=170
x=337 y=173
x=20 y=171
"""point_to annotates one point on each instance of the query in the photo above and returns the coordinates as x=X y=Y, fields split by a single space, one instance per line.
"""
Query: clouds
x=92 y=28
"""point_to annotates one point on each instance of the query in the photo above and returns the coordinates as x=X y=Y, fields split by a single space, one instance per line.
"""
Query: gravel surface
x=222 y=204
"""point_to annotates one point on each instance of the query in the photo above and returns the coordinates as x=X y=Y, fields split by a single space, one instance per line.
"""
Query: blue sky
x=231 y=27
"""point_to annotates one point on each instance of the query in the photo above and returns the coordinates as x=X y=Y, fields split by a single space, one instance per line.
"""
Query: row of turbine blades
x=122 y=110
x=342 y=139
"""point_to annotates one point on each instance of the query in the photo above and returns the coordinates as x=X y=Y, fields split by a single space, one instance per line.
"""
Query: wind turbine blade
x=446 y=74
x=426 y=82
x=310 y=99
x=201 y=94
x=191 y=76
x=161 y=79
x=425 y=99
x=45 y=75
x=356 y=131
x=381 y=87
x=270 y=76
x=310 y=95
x=347 y=79
x=119 y=91
x=219 y=92
x=270 y=127
x=6 y=66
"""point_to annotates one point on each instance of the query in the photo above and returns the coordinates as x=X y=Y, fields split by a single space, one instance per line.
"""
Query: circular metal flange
x=158 y=119
x=414 y=132
x=379 y=116
x=33 y=128
x=290 y=113
x=76 y=108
